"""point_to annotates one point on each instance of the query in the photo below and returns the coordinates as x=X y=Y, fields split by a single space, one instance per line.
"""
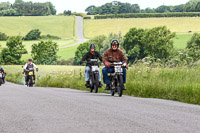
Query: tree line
x=117 y=7
x=21 y=8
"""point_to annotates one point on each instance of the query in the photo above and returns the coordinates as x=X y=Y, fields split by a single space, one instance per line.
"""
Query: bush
x=45 y=52
x=3 y=37
x=13 y=53
x=193 y=47
x=87 y=17
x=33 y=35
x=149 y=15
x=133 y=44
x=156 y=43
x=50 y=37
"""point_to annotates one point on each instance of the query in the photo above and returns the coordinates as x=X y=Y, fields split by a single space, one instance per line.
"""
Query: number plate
x=118 y=69
x=30 y=73
x=95 y=68
x=1 y=76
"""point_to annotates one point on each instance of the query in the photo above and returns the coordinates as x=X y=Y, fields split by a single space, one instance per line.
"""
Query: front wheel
x=30 y=81
x=96 y=84
x=121 y=85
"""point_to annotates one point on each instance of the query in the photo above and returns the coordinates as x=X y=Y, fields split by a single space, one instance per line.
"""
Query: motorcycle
x=30 y=75
x=116 y=79
x=1 y=79
x=94 y=76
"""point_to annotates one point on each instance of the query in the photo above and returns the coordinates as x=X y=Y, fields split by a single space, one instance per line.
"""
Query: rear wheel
x=1 y=81
x=120 y=87
x=96 y=84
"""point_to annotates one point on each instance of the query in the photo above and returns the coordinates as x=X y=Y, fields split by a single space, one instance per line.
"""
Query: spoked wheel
x=30 y=81
x=120 y=87
x=91 y=89
x=96 y=85
x=1 y=82
x=120 y=91
x=112 y=92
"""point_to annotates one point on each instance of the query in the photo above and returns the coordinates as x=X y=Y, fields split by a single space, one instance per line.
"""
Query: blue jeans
x=107 y=70
x=87 y=74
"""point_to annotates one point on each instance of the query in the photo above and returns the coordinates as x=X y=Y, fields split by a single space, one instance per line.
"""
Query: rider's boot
x=100 y=84
x=87 y=84
x=124 y=88
x=107 y=87
x=26 y=83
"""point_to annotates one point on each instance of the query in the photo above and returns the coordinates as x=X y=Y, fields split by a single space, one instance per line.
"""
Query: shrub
x=33 y=35
x=193 y=47
x=13 y=53
x=3 y=37
x=156 y=43
x=45 y=52
x=149 y=15
x=87 y=17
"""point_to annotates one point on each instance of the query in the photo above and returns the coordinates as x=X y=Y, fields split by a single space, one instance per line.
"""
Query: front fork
x=115 y=81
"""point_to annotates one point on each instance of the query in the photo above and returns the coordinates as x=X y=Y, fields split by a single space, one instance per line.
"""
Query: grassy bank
x=180 y=84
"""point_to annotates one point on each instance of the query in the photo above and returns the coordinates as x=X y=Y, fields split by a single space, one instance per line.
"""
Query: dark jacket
x=89 y=56
x=114 y=56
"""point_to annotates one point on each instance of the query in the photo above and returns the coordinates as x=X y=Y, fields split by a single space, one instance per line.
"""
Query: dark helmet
x=115 y=41
x=30 y=59
x=92 y=45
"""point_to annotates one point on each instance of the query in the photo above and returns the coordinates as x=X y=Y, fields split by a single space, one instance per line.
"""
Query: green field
x=61 y=26
x=105 y=26
x=179 y=25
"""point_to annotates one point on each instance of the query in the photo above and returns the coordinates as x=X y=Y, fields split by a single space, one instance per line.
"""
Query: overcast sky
x=81 y=5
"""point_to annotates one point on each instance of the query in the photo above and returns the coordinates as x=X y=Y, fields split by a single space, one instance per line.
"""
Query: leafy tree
x=133 y=44
x=3 y=37
x=68 y=13
x=163 y=8
x=13 y=53
x=158 y=42
x=33 y=35
x=90 y=10
x=45 y=52
x=193 y=47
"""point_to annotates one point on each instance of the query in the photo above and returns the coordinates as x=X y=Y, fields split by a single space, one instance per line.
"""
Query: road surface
x=57 y=110
x=80 y=36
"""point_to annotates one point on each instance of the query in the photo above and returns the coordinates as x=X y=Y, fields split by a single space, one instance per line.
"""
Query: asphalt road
x=57 y=110
x=80 y=36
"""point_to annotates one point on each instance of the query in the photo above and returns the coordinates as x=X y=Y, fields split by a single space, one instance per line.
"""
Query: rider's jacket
x=89 y=56
x=27 y=66
x=114 y=56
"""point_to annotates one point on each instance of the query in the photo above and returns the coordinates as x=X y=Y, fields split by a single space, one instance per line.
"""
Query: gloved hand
x=81 y=62
x=107 y=64
x=127 y=67
x=37 y=69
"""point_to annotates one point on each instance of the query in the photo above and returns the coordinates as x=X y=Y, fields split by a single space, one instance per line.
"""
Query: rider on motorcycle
x=3 y=73
x=113 y=55
x=92 y=54
x=28 y=65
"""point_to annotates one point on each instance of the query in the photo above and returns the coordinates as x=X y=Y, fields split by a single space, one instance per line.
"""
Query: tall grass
x=179 y=83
